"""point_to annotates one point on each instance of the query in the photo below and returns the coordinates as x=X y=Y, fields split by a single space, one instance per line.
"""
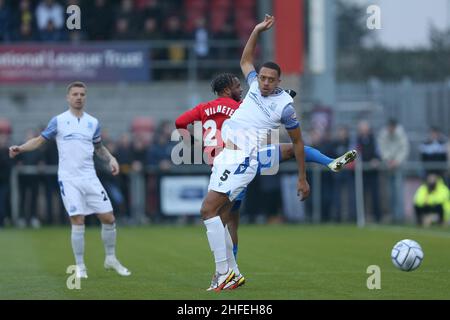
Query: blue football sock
x=314 y=155
x=235 y=251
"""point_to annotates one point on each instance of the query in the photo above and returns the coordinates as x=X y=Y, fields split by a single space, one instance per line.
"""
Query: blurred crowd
x=147 y=148
x=122 y=20
x=384 y=155
x=216 y=29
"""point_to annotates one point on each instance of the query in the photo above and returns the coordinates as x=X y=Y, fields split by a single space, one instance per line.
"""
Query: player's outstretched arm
x=297 y=141
x=30 y=145
x=105 y=155
x=248 y=54
x=187 y=118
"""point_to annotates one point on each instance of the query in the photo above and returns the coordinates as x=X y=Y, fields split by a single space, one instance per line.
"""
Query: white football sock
x=77 y=238
x=230 y=255
x=216 y=238
x=109 y=239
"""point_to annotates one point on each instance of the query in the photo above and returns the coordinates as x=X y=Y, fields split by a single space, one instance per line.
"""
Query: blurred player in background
x=78 y=136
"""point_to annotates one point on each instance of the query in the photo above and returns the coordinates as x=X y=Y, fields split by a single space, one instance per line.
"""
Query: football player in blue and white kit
x=265 y=107
x=78 y=136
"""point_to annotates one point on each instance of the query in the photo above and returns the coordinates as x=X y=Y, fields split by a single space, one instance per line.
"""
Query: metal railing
x=137 y=182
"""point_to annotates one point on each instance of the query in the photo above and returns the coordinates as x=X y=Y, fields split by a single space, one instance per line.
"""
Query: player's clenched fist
x=115 y=169
x=14 y=151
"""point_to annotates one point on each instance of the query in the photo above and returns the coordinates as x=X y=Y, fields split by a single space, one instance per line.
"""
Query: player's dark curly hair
x=221 y=82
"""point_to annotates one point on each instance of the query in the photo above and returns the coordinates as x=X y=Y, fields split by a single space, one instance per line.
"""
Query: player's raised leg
x=337 y=164
x=215 y=233
x=315 y=156
x=77 y=239
x=109 y=235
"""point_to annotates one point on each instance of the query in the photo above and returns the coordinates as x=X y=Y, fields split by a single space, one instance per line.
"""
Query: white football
x=407 y=255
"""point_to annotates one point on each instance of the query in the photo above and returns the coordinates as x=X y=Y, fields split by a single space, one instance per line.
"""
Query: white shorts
x=232 y=171
x=84 y=197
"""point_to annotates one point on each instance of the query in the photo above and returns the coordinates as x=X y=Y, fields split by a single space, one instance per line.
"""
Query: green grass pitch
x=174 y=262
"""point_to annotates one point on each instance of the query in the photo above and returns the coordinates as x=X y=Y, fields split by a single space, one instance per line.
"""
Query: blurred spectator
x=45 y=20
x=344 y=182
x=173 y=7
x=5 y=172
x=176 y=51
x=110 y=182
x=5 y=21
x=166 y=128
x=200 y=37
x=263 y=200
x=142 y=129
x=124 y=158
x=49 y=16
x=366 y=146
x=73 y=2
x=122 y=30
x=26 y=33
x=322 y=141
x=138 y=155
x=328 y=188
x=270 y=198
x=5 y=126
x=50 y=157
x=434 y=150
x=432 y=197
x=226 y=33
x=448 y=159
x=321 y=118
x=99 y=21
x=201 y=46
x=159 y=153
x=29 y=186
x=150 y=30
x=173 y=29
x=50 y=33
x=150 y=9
x=127 y=11
x=394 y=150
x=253 y=206
x=76 y=36
x=25 y=22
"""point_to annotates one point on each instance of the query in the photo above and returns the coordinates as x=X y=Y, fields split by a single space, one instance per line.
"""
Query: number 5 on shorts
x=225 y=175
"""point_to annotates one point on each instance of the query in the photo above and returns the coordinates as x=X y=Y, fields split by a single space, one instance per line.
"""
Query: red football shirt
x=212 y=114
